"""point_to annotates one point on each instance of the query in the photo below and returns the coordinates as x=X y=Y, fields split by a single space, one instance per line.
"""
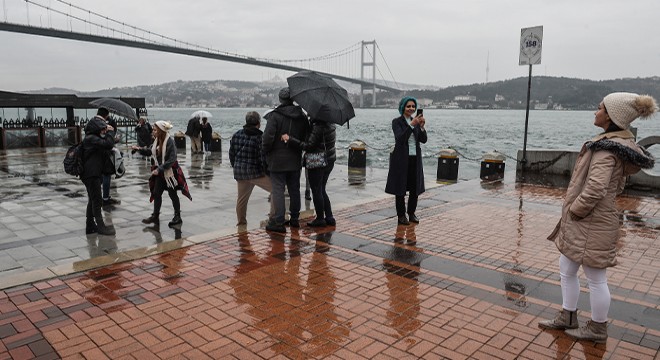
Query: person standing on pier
x=166 y=173
x=284 y=161
x=193 y=131
x=589 y=228
x=207 y=134
x=406 y=172
x=247 y=160
x=104 y=114
x=321 y=138
x=143 y=132
x=97 y=144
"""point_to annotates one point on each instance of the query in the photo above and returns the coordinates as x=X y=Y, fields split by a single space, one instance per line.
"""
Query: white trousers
x=599 y=293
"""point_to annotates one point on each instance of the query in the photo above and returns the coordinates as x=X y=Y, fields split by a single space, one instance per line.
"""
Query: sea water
x=471 y=132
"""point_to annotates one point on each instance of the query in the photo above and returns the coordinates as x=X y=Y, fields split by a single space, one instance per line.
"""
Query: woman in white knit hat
x=588 y=230
x=166 y=173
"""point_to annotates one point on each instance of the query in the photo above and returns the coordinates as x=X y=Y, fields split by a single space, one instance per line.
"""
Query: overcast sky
x=439 y=43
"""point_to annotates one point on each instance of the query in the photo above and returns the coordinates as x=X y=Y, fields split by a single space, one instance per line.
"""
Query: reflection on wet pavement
x=470 y=281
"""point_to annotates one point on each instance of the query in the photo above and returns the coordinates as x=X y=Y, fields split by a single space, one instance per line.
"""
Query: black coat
x=285 y=119
x=143 y=133
x=207 y=132
x=397 y=176
x=194 y=127
x=96 y=150
x=322 y=137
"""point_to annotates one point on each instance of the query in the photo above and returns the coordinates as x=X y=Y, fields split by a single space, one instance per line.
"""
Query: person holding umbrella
x=284 y=160
x=166 y=173
x=321 y=139
x=207 y=134
x=97 y=144
x=406 y=172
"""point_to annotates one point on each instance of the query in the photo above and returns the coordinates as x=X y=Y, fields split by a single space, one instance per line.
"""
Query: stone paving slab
x=42 y=210
x=470 y=281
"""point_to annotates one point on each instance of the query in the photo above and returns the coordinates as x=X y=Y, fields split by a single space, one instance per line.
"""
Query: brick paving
x=471 y=281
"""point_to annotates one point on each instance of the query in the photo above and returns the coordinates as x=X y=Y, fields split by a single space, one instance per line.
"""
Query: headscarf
x=404 y=100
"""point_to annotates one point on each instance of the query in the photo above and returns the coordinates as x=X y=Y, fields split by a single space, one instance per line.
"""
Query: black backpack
x=73 y=160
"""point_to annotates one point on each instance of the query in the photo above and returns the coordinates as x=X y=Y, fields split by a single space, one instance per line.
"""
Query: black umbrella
x=115 y=106
x=321 y=97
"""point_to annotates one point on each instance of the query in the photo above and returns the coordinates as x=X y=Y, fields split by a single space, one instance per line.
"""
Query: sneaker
x=111 y=201
x=403 y=220
x=413 y=218
x=330 y=221
x=276 y=228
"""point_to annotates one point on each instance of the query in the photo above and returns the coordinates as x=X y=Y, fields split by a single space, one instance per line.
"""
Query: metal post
x=373 y=72
x=362 y=75
x=529 y=87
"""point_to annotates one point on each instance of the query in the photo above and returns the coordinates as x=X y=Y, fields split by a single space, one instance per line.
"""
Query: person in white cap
x=588 y=230
x=166 y=173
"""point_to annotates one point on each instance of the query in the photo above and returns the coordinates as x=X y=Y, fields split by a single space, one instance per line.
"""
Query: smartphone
x=420 y=112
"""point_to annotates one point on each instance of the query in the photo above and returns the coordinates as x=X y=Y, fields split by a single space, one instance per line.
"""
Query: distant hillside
x=553 y=92
x=567 y=92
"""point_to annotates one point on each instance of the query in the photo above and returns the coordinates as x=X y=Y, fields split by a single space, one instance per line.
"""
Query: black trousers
x=94 y=200
x=318 y=178
x=159 y=187
x=411 y=185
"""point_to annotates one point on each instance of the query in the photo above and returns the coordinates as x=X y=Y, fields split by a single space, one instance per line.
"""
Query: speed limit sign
x=531 y=41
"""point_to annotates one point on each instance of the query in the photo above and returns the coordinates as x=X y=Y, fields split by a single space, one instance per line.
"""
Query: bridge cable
x=388 y=66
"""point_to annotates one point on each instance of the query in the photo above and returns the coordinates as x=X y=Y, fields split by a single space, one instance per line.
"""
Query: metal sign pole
x=529 y=87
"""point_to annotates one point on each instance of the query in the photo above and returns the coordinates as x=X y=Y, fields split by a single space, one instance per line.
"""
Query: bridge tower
x=367 y=64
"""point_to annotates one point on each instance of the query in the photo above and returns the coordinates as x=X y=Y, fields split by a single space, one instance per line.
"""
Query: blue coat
x=397 y=177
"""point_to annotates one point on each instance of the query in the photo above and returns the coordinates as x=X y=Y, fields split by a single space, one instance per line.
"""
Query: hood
x=633 y=155
x=291 y=111
x=95 y=126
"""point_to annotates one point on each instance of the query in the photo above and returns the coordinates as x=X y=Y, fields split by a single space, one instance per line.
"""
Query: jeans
x=292 y=181
x=159 y=187
x=318 y=178
x=106 y=187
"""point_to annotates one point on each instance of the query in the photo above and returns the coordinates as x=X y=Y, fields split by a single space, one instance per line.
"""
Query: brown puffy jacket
x=599 y=175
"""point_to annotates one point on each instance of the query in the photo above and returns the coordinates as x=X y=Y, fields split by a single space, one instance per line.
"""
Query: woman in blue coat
x=406 y=172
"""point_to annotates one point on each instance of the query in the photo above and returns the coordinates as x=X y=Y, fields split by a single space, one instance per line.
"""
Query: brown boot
x=564 y=320
x=593 y=331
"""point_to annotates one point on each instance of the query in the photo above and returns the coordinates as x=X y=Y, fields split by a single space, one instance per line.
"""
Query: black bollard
x=216 y=143
x=357 y=162
x=180 y=140
x=492 y=166
x=447 y=166
x=357 y=154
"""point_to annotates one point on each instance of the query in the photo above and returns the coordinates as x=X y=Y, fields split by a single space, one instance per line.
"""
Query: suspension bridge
x=355 y=64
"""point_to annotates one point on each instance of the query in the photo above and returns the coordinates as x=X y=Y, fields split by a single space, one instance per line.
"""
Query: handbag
x=316 y=160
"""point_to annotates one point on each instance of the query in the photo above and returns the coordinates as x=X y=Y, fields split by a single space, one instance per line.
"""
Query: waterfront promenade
x=470 y=281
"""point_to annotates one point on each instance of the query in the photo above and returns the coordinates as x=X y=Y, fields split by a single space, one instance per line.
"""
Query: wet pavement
x=470 y=281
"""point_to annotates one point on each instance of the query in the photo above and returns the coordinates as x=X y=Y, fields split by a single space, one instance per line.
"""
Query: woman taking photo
x=406 y=172
x=166 y=173
x=588 y=231
x=321 y=139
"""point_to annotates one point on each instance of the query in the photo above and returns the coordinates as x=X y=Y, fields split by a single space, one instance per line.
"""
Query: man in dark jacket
x=284 y=161
x=143 y=132
x=246 y=157
x=97 y=144
x=193 y=131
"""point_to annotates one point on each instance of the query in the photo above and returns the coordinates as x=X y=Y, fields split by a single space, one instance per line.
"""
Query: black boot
x=152 y=219
x=90 y=226
x=102 y=229
x=176 y=220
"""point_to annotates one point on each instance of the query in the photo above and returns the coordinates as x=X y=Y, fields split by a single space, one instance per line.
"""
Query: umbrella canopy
x=201 y=114
x=115 y=106
x=321 y=97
